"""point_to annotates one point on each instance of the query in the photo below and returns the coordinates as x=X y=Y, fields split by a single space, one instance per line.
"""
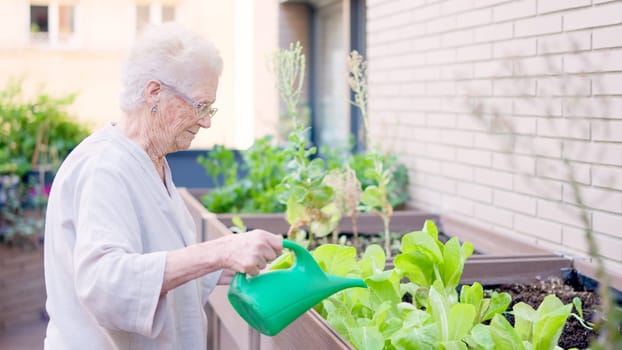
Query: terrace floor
x=26 y=336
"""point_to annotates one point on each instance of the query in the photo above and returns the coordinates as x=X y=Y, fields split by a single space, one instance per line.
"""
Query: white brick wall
x=548 y=70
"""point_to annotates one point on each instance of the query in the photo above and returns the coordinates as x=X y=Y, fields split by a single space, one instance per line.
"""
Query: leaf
x=461 y=317
x=548 y=328
x=420 y=338
x=417 y=267
x=453 y=264
x=480 y=338
x=504 y=335
x=419 y=241
x=524 y=318
x=295 y=211
x=335 y=259
x=372 y=196
x=430 y=228
x=499 y=303
x=439 y=307
x=384 y=287
x=367 y=338
x=373 y=260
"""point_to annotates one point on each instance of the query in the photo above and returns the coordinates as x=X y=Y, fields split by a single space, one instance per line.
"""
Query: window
x=39 y=19
x=168 y=13
x=65 y=22
x=153 y=13
x=52 y=23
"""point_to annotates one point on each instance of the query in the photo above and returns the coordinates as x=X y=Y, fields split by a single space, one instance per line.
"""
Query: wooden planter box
x=22 y=286
x=509 y=262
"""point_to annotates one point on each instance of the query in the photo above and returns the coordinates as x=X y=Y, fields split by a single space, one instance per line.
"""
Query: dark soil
x=574 y=334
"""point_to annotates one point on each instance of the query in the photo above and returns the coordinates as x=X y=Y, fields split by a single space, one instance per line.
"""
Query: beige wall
x=90 y=63
x=551 y=71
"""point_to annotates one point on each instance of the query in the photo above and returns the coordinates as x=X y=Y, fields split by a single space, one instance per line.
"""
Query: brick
x=560 y=212
x=413 y=119
x=524 y=125
x=455 y=6
x=593 y=152
x=425 y=43
x=545 y=6
x=474 y=52
x=546 y=147
x=452 y=105
x=427 y=73
x=608 y=84
x=593 y=62
x=514 y=10
x=427 y=12
x=607 y=223
x=423 y=134
x=457 y=138
x=607 y=130
x=474 y=88
x=538 y=25
x=441 y=120
x=609 y=247
x=406 y=89
x=475 y=192
x=515 y=48
x=565 y=42
x=474 y=18
x=514 y=163
x=538 y=106
x=441 y=152
x=486 y=3
x=461 y=205
x=541 y=188
x=514 y=87
x=595 y=198
x=426 y=165
x=466 y=121
x=538 y=228
x=487 y=141
x=457 y=38
x=597 y=16
x=426 y=104
x=559 y=170
x=607 y=177
x=456 y=71
x=564 y=86
x=574 y=238
x=541 y=65
x=474 y=157
x=441 y=56
x=564 y=128
x=515 y=202
x=494 y=178
x=442 y=24
x=594 y=107
x=607 y=37
x=457 y=171
x=494 y=215
x=441 y=184
x=493 y=32
x=440 y=88
x=492 y=69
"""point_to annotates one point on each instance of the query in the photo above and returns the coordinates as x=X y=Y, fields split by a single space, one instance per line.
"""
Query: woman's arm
x=248 y=253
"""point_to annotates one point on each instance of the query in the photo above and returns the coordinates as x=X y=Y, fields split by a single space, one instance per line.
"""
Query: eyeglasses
x=201 y=109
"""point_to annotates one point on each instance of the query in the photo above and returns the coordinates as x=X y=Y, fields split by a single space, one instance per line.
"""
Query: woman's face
x=180 y=122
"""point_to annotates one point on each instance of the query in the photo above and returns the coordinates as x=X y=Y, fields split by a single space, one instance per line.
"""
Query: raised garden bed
x=525 y=264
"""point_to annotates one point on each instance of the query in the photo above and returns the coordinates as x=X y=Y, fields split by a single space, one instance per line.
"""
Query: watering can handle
x=304 y=259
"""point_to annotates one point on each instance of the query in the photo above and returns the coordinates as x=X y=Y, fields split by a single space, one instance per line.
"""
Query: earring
x=154 y=109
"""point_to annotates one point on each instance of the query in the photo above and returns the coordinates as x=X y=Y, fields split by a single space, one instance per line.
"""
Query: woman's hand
x=249 y=252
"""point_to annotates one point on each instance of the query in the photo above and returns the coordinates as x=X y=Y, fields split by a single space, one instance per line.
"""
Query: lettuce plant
x=438 y=317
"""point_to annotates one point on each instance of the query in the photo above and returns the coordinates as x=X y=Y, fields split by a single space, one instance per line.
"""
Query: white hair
x=169 y=53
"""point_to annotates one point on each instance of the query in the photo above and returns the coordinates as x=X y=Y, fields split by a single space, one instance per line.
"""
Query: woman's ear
x=151 y=93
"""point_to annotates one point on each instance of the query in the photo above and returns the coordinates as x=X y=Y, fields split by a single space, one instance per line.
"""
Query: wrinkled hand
x=251 y=251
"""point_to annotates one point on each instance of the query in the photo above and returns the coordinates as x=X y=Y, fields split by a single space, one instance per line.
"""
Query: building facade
x=508 y=114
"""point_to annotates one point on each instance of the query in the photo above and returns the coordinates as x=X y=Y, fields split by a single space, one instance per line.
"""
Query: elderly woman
x=122 y=268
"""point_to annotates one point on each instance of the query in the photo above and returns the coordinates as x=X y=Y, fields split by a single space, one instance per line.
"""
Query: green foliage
x=263 y=166
x=309 y=200
x=438 y=317
x=39 y=131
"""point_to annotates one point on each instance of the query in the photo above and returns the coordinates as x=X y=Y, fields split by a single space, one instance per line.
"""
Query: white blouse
x=108 y=226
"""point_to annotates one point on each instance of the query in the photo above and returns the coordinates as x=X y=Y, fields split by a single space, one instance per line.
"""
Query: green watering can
x=270 y=301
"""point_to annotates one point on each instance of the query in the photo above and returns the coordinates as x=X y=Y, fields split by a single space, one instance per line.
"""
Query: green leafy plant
x=438 y=317
x=249 y=187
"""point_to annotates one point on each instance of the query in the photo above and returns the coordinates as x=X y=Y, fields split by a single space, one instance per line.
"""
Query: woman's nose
x=205 y=122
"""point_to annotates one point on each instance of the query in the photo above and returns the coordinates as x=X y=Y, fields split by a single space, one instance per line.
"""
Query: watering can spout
x=271 y=301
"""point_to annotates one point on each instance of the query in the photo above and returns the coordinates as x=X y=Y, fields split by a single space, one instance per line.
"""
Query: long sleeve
x=118 y=284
